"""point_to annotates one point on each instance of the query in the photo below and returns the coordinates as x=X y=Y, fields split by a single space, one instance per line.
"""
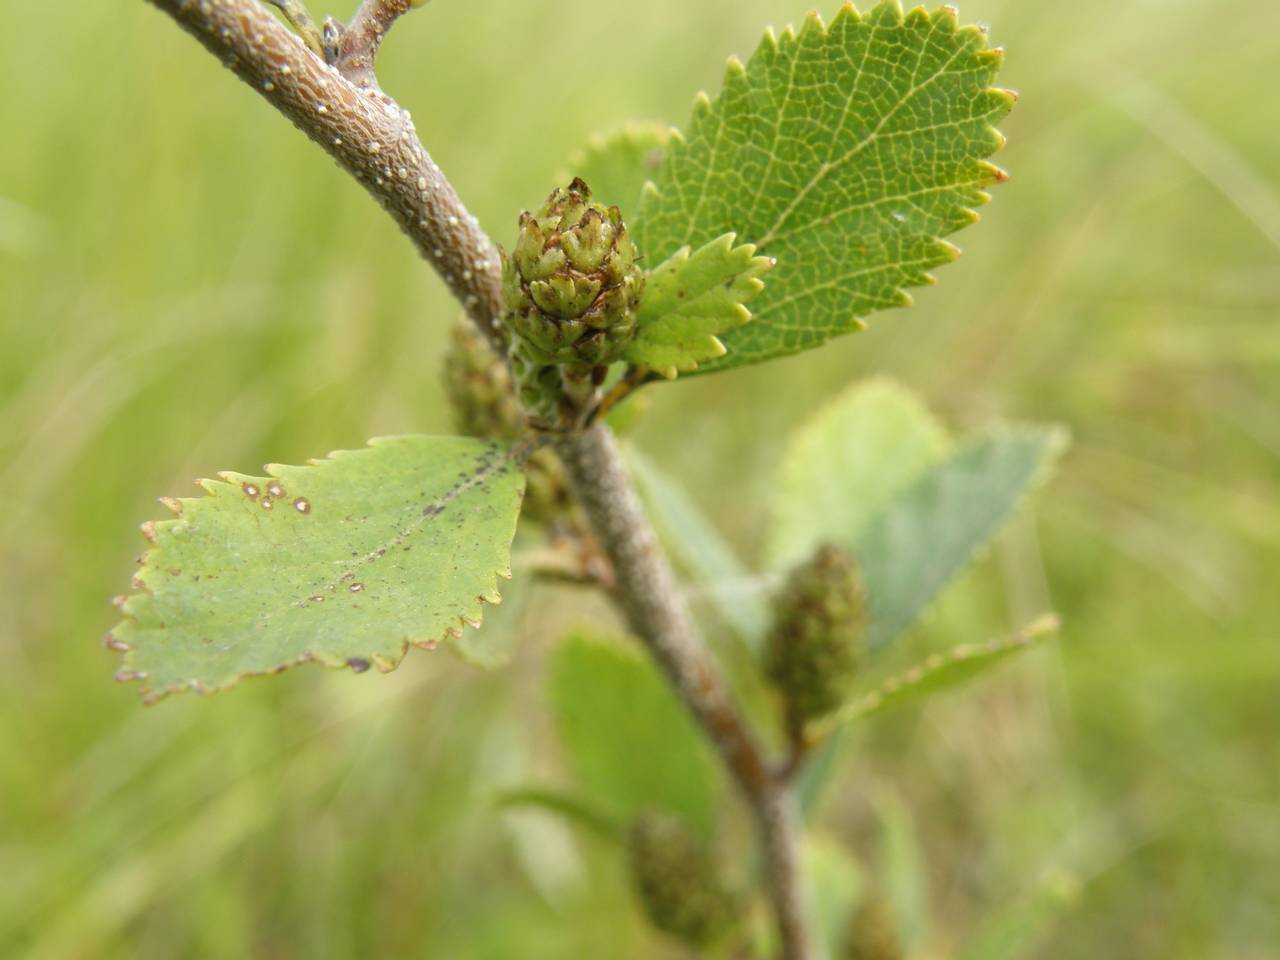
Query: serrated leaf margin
x=151 y=530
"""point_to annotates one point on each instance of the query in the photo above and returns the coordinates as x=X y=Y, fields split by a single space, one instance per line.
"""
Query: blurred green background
x=186 y=285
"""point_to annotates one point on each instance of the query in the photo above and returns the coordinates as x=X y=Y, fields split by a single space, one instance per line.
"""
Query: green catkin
x=677 y=880
x=873 y=934
x=815 y=646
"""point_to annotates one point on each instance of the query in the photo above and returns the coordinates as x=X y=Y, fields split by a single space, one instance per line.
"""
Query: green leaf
x=493 y=643
x=846 y=152
x=345 y=562
x=942 y=671
x=835 y=884
x=630 y=742
x=617 y=166
x=571 y=807
x=1013 y=930
x=845 y=463
x=931 y=530
x=690 y=301
x=903 y=874
x=700 y=550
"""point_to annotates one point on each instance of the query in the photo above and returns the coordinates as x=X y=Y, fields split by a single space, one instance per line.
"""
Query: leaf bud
x=572 y=281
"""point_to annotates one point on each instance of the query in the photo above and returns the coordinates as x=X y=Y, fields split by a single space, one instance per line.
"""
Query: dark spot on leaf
x=250 y=490
x=302 y=505
x=358 y=664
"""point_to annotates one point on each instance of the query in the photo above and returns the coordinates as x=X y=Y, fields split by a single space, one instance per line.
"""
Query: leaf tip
x=993 y=173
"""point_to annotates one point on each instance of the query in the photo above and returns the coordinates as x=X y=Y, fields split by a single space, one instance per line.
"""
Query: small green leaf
x=845 y=463
x=345 y=562
x=847 y=152
x=690 y=300
x=931 y=530
x=942 y=671
x=618 y=165
x=571 y=807
x=630 y=742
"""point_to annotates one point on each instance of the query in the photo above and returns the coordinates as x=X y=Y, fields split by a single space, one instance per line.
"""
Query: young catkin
x=873 y=934
x=677 y=880
x=816 y=643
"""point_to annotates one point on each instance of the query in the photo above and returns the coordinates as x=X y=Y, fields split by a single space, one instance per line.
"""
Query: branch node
x=357 y=46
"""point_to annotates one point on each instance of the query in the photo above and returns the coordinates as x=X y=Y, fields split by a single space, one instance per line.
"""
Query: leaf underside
x=693 y=299
x=847 y=152
x=631 y=744
x=933 y=528
x=845 y=463
x=344 y=562
x=945 y=670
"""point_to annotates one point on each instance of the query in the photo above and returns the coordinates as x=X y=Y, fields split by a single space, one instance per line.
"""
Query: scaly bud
x=483 y=401
x=479 y=388
x=677 y=880
x=572 y=283
x=816 y=642
x=873 y=935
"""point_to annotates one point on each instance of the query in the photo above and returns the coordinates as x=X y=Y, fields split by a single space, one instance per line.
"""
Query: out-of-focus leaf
x=943 y=671
x=1013 y=931
x=847 y=152
x=933 y=528
x=835 y=884
x=700 y=550
x=346 y=562
x=903 y=873
x=616 y=166
x=845 y=463
x=630 y=742
x=574 y=808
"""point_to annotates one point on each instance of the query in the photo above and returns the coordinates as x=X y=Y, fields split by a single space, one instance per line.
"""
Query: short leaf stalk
x=340 y=106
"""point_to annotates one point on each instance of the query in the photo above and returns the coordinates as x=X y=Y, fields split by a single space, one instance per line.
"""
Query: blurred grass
x=185 y=286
